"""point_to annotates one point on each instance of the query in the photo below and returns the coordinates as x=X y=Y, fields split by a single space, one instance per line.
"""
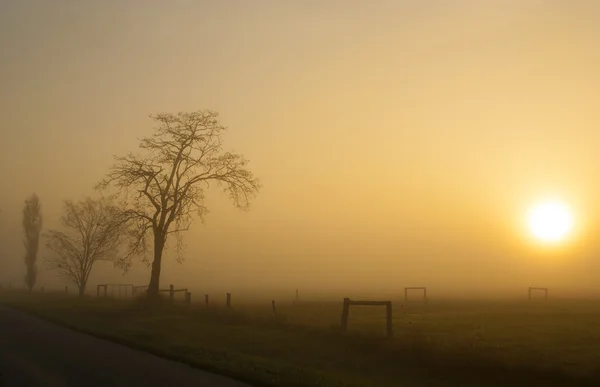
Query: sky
x=399 y=143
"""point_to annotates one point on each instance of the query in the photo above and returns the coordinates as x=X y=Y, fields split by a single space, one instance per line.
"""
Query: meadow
x=443 y=343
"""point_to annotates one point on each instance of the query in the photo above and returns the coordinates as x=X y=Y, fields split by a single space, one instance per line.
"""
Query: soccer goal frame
x=388 y=314
x=532 y=289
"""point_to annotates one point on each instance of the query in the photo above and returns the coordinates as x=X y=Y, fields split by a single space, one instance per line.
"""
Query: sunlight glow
x=550 y=221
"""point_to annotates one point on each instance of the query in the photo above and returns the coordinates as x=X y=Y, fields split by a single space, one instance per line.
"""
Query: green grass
x=442 y=344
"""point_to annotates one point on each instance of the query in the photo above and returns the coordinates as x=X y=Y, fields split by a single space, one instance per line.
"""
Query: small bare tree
x=163 y=188
x=32 y=225
x=95 y=230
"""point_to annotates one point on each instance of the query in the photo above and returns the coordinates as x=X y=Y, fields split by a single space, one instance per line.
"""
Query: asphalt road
x=35 y=353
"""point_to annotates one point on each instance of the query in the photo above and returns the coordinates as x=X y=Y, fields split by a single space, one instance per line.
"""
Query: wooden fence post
x=188 y=298
x=388 y=316
x=229 y=300
x=345 y=312
x=171 y=293
x=273 y=306
x=206 y=300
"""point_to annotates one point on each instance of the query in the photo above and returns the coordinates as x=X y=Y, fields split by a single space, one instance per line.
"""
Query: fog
x=399 y=143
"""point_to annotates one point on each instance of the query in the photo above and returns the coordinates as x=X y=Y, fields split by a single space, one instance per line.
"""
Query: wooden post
x=345 y=313
x=206 y=300
x=388 y=316
x=188 y=298
x=229 y=300
x=171 y=293
x=273 y=306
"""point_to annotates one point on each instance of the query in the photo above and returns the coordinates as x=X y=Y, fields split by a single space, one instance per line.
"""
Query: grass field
x=554 y=343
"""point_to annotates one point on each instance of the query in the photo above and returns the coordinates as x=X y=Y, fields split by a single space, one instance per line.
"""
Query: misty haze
x=295 y=193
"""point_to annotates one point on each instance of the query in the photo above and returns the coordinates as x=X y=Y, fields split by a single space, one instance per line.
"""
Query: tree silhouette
x=32 y=226
x=94 y=233
x=165 y=186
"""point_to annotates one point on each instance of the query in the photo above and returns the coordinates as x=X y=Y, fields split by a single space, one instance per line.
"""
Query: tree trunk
x=153 y=286
x=30 y=276
x=82 y=289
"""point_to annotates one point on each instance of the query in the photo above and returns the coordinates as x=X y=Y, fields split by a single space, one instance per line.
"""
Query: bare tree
x=32 y=225
x=95 y=231
x=165 y=186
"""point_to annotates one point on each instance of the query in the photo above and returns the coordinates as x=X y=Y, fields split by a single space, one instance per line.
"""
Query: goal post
x=388 y=309
x=534 y=289
x=105 y=289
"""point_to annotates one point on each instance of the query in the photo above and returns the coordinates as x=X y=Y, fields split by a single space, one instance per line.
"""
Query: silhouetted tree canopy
x=163 y=187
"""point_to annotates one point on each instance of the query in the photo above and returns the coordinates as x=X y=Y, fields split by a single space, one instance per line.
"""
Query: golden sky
x=399 y=142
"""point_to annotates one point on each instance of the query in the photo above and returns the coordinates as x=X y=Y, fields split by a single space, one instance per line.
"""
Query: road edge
x=143 y=348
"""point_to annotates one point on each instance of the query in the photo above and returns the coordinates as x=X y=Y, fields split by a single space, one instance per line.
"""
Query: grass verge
x=267 y=351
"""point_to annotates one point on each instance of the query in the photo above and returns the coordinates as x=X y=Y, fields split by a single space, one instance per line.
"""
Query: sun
x=550 y=221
